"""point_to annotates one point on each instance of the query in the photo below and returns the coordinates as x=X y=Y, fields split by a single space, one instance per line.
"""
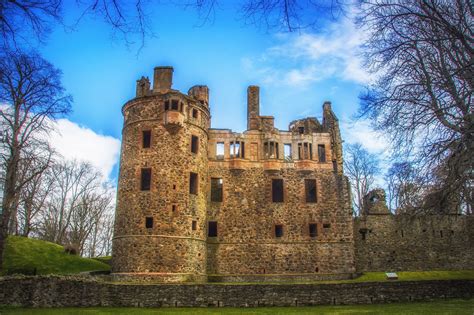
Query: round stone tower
x=160 y=220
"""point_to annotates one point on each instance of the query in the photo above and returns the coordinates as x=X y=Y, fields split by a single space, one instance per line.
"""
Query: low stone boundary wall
x=52 y=291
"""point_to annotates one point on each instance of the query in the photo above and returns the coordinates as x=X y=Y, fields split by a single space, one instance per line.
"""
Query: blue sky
x=297 y=72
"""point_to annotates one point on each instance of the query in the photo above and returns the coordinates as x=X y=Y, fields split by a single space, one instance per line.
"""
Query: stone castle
x=199 y=204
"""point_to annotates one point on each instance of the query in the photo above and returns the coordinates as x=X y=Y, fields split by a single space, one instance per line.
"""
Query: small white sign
x=391 y=275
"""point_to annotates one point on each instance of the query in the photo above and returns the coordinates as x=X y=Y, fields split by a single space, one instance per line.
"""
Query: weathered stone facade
x=386 y=242
x=264 y=202
x=201 y=204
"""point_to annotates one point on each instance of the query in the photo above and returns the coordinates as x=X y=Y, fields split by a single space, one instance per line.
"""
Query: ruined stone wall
x=177 y=246
x=246 y=245
x=73 y=292
x=398 y=242
x=170 y=249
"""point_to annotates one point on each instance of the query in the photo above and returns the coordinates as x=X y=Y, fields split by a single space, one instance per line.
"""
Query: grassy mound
x=104 y=259
x=26 y=255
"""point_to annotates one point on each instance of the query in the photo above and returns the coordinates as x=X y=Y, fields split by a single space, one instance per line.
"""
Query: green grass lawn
x=419 y=275
x=48 y=258
x=458 y=307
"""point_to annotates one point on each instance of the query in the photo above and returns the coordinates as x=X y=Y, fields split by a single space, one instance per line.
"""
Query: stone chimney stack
x=253 y=107
x=162 y=79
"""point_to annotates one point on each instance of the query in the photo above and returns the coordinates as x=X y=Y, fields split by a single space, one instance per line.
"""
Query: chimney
x=253 y=107
x=162 y=79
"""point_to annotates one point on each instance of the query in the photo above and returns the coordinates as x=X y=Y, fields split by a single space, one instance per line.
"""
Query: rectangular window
x=174 y=105
x=237 y=149
x=149 y=222
x=234 y=149
x=310 y=190
x=194 y=144
x=305 y=151
x=301 y=130
x=193 y=183
x=212 y=229
x=145 y=180
x=328 y=225
x=220 y=150
x=167 y=105
x=146 y=138
x=287 y=150
x=195 y=113
x=278 y=230
x=277 y=190
x=321 y=153
x=270 y=150
x=313 y=230
x=216 y=189
x=194 y=225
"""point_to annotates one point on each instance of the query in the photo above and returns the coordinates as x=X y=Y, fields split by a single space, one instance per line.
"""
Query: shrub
x=71 y=249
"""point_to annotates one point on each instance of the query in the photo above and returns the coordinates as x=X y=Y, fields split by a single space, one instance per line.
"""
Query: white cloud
x=76 y=142
x=361 y=132
x=301 y=59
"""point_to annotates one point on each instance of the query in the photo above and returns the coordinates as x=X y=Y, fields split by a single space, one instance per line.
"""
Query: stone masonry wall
x=73 y=292
x=246 y=246
x=398 y=242
x=171 y=248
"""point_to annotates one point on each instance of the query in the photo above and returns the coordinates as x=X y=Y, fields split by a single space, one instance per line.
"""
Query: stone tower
x=160 y=224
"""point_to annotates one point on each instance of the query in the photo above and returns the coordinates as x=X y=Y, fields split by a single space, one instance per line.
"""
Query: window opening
x=220 y=150
x=313 y=230
x=149 y=222
x=194 y=144
x=216 y=189
x=193 y=183
x=305 y=151
x=287 y=152
x=321 y=153
x=277 y=190
x=310 y=190
x=237 y=149
x=174 y=105
x=146 y=138
x=145 y=180
x=270 y=149
x=278 y=230
x=212 y=229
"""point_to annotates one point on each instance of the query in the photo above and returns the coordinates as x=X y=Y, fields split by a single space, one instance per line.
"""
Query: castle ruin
x=199 y=204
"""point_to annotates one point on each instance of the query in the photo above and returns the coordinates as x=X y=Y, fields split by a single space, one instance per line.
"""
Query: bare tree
x=423 y=52
x=99 y=241
x=32 y=197
x=73 y=182
x=31 y=91
x=20 y=20
x=361 y=167
x=87 y=218
x=405 y=188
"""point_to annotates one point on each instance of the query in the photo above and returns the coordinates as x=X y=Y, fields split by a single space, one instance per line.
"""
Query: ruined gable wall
x=397 y=242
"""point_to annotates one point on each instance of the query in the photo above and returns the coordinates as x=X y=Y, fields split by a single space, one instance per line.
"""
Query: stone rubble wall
x=403 y=243
x=55 y=291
